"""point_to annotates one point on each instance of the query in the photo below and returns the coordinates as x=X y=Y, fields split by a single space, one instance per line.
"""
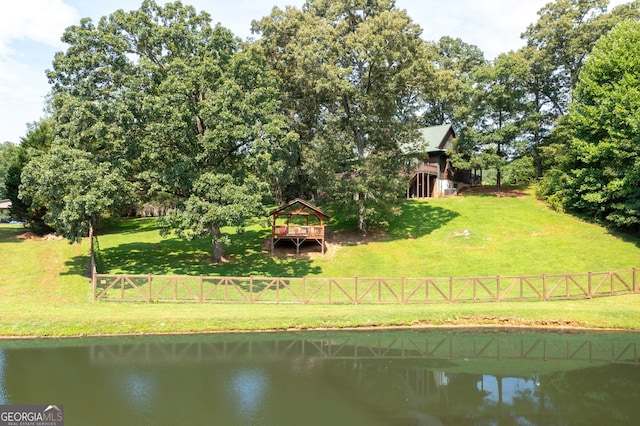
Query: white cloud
x=38 y=20
x=29 y=32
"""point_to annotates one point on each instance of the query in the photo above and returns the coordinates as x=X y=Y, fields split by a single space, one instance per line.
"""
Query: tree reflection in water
x=434 y=377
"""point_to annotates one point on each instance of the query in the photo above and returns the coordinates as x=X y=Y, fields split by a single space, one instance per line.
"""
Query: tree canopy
x=599 y=177
x=351 y=73
x=161 y=101
x=158 y=103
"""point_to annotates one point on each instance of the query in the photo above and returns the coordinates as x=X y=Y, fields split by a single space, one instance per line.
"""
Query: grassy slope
x=506 y=236
x=43 y=290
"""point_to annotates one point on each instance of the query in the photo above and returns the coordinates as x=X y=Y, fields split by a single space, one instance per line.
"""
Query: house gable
x=437 y=138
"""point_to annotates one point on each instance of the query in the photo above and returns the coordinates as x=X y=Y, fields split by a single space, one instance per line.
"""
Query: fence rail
x=358 y=290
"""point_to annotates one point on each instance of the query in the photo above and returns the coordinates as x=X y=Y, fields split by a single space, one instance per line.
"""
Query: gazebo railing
x=279 y=231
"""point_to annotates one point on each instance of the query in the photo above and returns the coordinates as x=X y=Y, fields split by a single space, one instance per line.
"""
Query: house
x=432 y=175
x=5 y=205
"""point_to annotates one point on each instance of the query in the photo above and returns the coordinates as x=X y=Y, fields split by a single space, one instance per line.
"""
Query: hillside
x=45 y=291
x=471 y=235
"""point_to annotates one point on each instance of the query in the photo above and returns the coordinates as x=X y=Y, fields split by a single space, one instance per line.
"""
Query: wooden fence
x=318 y=290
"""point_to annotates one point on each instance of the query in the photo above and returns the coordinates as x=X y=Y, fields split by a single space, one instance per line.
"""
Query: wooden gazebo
x=297 y=233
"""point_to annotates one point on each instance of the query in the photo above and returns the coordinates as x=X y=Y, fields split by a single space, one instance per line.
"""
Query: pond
x=397 y=377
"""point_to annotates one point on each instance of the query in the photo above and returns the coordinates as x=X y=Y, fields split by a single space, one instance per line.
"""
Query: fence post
x=475 y=286
x=356 y=290
x=590 y=281
x=635 y=284
x=94 y=282
x=251 y=289
x=497 y=288
x=201 y=288
x=304 y=290
x=402 y=290
x=450 y=289
x=544 y=287
x=613 y=290
x=148 y=287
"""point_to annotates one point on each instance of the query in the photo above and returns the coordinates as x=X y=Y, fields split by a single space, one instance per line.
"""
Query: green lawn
x=476 y=235
x=44 y=290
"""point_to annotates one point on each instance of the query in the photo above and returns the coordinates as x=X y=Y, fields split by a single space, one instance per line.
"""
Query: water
x=427 y=377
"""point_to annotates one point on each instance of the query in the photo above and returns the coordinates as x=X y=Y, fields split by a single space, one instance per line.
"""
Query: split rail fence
x=358 y=290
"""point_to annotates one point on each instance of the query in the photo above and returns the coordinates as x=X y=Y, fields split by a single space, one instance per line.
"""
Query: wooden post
x=201 y=289
x=544 y=287
x=590 y=278
x=304 y=291
x=612 y=283
x=149 y=288
x=94 y=281
x=450 y=289
x=356 y=290
x=175 y=288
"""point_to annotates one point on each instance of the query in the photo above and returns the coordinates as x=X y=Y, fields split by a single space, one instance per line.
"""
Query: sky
x=30 y=32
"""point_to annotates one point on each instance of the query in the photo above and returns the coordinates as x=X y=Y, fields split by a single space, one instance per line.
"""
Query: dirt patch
x=481 y=320
x=505 y=191
x=31 y=236
x=28 y=236
x=334 y=241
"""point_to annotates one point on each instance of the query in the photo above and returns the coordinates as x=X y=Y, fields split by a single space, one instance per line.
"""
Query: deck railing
x=358 y=290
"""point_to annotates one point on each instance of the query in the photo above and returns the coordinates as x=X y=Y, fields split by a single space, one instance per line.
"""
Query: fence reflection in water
x=315 y=378
x=414 y=346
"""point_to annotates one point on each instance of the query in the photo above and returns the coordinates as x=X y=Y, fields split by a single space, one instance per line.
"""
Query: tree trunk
x=217 y=249
x=499 y=171
x=362 y=222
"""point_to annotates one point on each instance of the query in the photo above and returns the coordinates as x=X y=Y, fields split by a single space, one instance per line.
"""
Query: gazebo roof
x=299 y=207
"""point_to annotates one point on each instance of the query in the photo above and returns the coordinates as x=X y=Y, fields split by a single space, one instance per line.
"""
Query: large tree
x=8 y=155
x=162 y=97
x=558 y=45
x=503 y=106
x=216 y=201
x=448 y=95
x=351 y=73
x=37 y=141
x=75 y=189
x=599 y=177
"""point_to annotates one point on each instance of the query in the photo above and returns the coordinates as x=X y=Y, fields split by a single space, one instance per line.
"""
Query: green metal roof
x=435 y=138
